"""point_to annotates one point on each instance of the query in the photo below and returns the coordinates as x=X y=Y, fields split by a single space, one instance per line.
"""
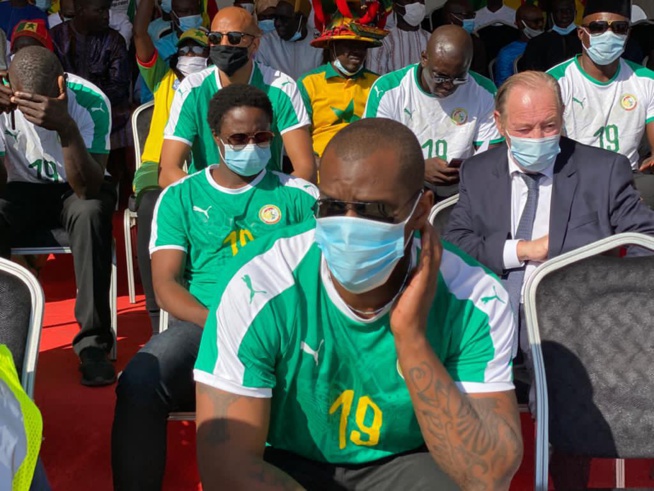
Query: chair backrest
x=491 y=69
x=590 y=323
x=141 y=120
x=516 y=69
x=21 y=316
x=440 y=213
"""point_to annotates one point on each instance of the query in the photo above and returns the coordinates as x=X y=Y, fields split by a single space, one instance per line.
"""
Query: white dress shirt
x=541 y=228
x=485 y=17
x=292 y=58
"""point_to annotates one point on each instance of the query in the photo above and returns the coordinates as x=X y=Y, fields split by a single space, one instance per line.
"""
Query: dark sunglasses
x=620 y=27
x=260 y=138
x=439 y=80
x=195 y=49
x=234 y=38
x=373 y=210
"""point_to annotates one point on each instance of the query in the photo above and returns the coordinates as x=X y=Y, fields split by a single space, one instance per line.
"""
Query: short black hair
x=354 y=143
x=233 y=96
x=37 y=70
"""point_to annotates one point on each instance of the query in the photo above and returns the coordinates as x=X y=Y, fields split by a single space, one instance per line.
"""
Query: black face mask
x=229 y=59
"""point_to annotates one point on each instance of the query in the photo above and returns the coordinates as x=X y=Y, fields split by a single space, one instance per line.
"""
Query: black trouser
x=415 y=471
x=26 y=206
x=143 y=231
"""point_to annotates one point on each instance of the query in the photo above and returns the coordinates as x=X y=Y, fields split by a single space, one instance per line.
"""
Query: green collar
x=331 y=72
x=595 y=81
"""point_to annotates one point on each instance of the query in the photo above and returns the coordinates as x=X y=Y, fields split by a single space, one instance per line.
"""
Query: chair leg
x=129 y=258
x=113 y=302
x=620 y=476
x=163 y=320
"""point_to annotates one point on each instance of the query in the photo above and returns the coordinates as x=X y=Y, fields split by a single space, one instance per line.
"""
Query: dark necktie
x=515 y=277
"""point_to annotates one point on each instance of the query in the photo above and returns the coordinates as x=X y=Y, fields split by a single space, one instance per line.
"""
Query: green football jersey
x=188 y=114
x=212 y=224
x=280 y=330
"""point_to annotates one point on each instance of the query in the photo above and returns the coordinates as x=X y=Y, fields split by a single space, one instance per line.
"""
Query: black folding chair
x=591 y=333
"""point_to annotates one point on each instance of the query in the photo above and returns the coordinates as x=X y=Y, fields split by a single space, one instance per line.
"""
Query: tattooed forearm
x=473 y=440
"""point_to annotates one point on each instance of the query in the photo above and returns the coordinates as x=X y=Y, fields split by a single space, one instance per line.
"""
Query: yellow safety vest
x=32 y=421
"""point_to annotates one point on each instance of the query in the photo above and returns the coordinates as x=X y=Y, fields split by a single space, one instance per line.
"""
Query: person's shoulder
x=294 y=184
x=87 y=94
x=484 y=162
x=587 y=157
x=395 y=78
x=638 y=71
x=318 y=72
x=198 y=80
x=485 y=84
x=561 y=70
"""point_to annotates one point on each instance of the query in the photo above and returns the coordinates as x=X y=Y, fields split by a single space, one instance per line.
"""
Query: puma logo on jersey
x=310 y=351
x=377 y=90
x=94 y=109
x=409 y=112
x=200 y=210
x=248 y=282
x=485 y=300
x=581 y=103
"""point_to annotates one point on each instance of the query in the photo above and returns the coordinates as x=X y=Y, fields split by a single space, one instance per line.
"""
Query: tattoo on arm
x=467 y=437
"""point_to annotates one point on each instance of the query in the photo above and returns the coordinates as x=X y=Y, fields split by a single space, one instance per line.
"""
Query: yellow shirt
x=333 y=101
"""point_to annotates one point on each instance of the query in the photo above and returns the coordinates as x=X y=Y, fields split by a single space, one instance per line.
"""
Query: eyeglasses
x=439 y=80
x=619 y=27
x=372 y=210
x=195 y=49
x=234 y=38
x=260 y=138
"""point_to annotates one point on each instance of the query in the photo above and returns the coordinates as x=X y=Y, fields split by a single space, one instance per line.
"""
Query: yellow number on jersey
x=346 y=400
x=242 y=237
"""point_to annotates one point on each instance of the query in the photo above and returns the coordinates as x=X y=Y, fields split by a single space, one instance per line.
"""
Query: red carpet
x=77 y=419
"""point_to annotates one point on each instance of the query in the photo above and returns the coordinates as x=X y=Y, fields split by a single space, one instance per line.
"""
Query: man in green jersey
x=234 y=40
x=200 y=224
x=366 y=356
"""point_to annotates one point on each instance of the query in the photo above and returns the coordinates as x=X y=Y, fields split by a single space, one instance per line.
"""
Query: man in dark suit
x=543 y=196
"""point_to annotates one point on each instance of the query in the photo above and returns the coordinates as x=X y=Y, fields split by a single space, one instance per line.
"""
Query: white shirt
x=399 y=49
x=485 y=17
x=292 y=58
x=541 y=228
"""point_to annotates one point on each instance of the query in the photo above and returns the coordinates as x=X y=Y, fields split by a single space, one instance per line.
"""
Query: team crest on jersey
x=270 y=214
x=459 y=116
x=629 y=102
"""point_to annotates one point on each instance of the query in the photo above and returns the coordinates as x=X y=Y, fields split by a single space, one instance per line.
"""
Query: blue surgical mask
x=361 y=254
x=189 y=22
x=564 y=31
x=339 y=66
x=167 y=5
x=248 y=161
x=297 y=35
x=605 y=48
x=535 y=154
x=43 y=4
x=469 y=25
x=267 y=25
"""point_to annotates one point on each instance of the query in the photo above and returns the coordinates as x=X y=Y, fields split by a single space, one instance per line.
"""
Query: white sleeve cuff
x=510 y=255
x=229 y=386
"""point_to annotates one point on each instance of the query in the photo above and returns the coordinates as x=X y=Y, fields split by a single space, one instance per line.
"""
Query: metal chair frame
x=37 y=299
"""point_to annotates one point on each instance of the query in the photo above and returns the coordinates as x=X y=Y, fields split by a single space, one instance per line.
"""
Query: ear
x=498 y=123
x=423 y=59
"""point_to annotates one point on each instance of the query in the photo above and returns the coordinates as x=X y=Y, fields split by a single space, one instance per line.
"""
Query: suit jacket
x=592 y=198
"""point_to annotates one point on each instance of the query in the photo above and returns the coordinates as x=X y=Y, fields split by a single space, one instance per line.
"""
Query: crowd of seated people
x=294 y=152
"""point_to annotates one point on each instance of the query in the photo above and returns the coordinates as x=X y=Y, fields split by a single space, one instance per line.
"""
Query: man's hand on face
x=50 y=113
x=534 y=250
x=438 y=173
x=5 y=95
x=409 y=315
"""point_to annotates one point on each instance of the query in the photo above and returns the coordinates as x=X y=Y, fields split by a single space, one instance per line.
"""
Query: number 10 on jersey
x=345 y=401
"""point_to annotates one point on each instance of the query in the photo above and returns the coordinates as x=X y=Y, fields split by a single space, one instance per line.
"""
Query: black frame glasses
x=619 y=27
x=233 y=37
x=370 y=210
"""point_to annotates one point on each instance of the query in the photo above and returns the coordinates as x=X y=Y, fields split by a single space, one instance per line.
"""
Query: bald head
x=236 y=19
x=456 y=6
x=450 y=43
x=376 y=152
x=35 y=69
x=528 y=11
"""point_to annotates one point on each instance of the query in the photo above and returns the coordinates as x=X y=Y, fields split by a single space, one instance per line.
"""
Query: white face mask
x=414 y=13
x=529 y=32
x=191 y=64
